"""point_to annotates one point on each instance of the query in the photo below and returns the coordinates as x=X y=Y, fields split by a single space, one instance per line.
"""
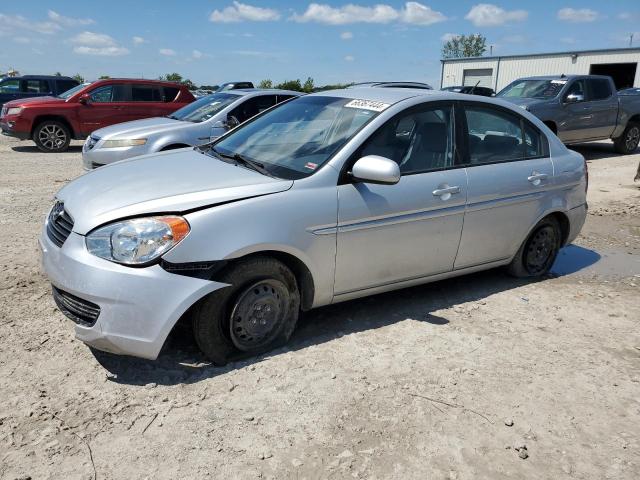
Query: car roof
x=44 y=77
x=249 y=91
x=386 y=95
x=561 y=77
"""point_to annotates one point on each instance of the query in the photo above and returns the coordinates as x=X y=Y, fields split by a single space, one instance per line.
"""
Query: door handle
x=537 y=178
x=445 y=191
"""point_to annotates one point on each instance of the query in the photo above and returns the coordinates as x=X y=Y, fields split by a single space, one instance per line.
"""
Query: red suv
x=53 y=121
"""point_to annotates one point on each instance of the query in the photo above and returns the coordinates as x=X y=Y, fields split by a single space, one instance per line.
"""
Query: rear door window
x=146 y=93
x=599 y=89
x=496 y=135
x=64 y=85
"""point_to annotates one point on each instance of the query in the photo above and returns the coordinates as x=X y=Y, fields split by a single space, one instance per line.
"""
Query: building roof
x=547 y=54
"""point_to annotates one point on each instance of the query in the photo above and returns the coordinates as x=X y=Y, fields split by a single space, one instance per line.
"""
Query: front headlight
x=137 y=241
x=128 y=142
x=14 y=111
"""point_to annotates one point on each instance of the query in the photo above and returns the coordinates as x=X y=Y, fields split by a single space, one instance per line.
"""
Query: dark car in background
x=52 y=122
x=26 y=86
x=580 y=108
x=471 y=90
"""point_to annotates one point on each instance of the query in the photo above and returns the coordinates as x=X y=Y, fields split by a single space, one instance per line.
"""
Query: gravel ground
x=478 y=377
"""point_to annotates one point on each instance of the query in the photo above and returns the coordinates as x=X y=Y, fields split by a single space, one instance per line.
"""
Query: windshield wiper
x=247 y=162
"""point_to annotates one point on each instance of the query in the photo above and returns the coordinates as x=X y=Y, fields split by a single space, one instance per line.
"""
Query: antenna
x=631 y=40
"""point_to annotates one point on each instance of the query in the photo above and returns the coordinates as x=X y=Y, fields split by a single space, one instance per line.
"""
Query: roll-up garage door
x=474 y=75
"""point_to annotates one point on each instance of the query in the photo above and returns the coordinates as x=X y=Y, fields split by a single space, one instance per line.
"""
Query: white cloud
x=138 y=40
x=18 y=23
x=413 y=12
x=449 y=36
x=489 y=15
x=241 y=12
x=100 y=44
x=196 y=54
x=101 y=51
x=346 y=35
x=93 y=39
x=167 y=52
x=580 y=15
x=418 y=14
x=68 y=21
x=349 y=58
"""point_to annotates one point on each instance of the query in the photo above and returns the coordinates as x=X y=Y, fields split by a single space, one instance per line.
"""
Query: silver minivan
x=198 y=123
x=329 y=197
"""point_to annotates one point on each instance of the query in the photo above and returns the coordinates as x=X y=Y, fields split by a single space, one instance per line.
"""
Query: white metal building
x=498 y=71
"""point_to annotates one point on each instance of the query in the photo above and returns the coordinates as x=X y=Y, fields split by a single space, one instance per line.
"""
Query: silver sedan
x=327 y=198
x=195 y=124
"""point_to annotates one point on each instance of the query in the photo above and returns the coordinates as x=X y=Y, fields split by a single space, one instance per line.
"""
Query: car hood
x=524 y=102
x=166 y=182
x=34 y=101
x=140 y=128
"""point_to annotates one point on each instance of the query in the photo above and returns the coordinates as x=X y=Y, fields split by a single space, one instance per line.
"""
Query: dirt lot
x=446 y=381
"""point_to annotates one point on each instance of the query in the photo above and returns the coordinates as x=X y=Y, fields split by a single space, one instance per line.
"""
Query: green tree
x=79 y=78
x=294 y=85
x=171 y=77
x=308 y=85
x=189 y=84
x=266 y=83
x=58 y=74
x=473 y=45
x=209 y=87
x=104 y=77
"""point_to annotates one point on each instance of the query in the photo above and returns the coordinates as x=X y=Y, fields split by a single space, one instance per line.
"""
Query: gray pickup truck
x=580 y=108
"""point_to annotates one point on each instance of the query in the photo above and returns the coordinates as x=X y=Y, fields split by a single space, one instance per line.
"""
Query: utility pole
x=491 y=50
x=631 y=40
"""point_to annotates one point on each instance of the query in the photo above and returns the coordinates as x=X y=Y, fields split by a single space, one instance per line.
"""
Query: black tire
x=52 y=137
x=627 y=143
x=256 y=313
x=538 y=252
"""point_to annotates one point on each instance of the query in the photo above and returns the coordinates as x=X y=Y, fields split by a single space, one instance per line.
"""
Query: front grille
x=80 y=311
x=59 y=224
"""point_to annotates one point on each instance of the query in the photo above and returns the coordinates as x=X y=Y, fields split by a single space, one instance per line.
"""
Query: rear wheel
x=51 y=137
x=539 y=251
x=628 y=142
x=256 y=313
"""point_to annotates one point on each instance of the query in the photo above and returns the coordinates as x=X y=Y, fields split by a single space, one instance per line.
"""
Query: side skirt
x=416 y=281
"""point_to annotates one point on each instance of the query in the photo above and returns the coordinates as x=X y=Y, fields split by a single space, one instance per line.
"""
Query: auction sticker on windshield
x=367 y=105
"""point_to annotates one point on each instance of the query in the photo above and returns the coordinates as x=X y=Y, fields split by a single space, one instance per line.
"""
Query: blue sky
x=218 y=40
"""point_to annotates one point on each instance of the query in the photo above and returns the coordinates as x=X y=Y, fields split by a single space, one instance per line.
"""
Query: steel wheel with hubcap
x=52 y=136
x=256 y=313
x=539 y=251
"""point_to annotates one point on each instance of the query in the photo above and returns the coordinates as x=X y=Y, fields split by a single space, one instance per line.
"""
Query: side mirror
x=375 y=169
x=574 y=98
x=84 y=98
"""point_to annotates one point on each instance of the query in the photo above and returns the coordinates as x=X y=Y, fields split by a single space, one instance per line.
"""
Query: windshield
x=295 y=139
x=204 y=108
x=73 y=91
x=533 y=89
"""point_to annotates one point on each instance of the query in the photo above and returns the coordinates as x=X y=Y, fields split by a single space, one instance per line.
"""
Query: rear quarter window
x=170 y=94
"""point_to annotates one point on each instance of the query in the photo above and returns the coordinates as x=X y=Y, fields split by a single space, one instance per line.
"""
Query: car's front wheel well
x=297 y=267
x=53 y=118
x=174 y=146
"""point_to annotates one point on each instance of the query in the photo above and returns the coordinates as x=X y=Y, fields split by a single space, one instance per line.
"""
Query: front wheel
x=539 y=251
x=52 y=137
x=628 y=141
x=256 y=313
